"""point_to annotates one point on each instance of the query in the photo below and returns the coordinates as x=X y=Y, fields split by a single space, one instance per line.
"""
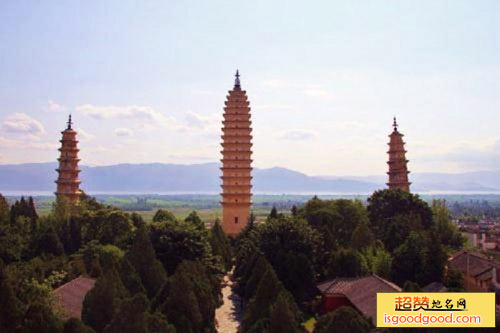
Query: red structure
x=398 y=171
x=359 y=293
x=236 y=161
x=68 y=184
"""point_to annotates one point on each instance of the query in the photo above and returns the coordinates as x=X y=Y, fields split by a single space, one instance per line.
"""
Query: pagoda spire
x=398 y=170
x=236 y=161
x=237 y=85
x=68 y=183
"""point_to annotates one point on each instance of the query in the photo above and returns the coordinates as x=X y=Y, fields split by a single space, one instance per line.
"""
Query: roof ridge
x=389 y=283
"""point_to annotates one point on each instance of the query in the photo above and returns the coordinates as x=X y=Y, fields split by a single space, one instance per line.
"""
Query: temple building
x=236 y=161
x=68 y=184
x=398 y=171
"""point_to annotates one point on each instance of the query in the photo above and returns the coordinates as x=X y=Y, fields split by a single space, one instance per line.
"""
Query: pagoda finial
x=395 y=125
x=69 y=122
x=237 y=85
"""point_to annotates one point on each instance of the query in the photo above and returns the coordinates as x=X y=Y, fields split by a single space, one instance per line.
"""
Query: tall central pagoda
x=68 y=184
x=398 y=170
x=236 y=161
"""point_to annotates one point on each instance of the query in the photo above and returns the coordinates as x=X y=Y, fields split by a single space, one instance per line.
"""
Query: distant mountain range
x=204 y=178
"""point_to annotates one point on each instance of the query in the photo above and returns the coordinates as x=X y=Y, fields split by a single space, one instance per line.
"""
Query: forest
x=166 y=275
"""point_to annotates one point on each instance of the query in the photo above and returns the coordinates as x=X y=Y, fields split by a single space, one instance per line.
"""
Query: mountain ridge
x=205 y=177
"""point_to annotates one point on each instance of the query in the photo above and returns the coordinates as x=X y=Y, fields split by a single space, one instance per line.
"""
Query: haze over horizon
x=147 y=83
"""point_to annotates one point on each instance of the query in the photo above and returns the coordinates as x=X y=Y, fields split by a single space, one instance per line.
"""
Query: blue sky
x=146 y=81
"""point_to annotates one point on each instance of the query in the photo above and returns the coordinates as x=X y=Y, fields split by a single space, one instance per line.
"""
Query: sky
x=146 y=81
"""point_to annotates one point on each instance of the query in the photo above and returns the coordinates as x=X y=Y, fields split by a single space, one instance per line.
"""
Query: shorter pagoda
x=68 y=184
x=398 y=171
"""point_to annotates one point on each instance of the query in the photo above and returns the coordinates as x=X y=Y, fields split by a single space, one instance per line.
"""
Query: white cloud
x=123 y=132
x=22 y=123
x=312 y=90
x=274 y=107
x=144 y=113
x=84 y=135
x=274 y=83
x=297 y=135
x=315 y=92
x=54 y=107
x=27 y=144
x=201 y=92
x=194 y=119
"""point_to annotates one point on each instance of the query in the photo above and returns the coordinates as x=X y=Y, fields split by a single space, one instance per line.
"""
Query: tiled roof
x=435 y=287
x=473 y=264
x=70 y=296
x=361 y=292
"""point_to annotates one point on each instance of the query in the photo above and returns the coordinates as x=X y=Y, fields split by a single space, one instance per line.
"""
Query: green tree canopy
x=143 y=257
x=11 y=308
x=283 y=316
x=344 y=319
x=162 y=215
x=103 y=301
x=220 y=245
x=335 y=219
x=394 y=214
x=4 y=211
x=132 y=316
x=75 y=325
x=292 y=248
x=346 y=263
x=178 y=241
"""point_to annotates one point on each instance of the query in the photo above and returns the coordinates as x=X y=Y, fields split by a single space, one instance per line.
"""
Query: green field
x=209 y=209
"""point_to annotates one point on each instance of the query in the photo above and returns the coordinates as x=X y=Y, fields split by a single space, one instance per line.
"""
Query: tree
x=4 y=211
x=335 y=219
x=157 y=323
x=292 y=247
x=75 y=232
x=248 y=283
x=445 y=228
x=103 y=301
x=11 y=308
x=39 y=318
x=130 y=278
x=220 y=244
x=410 y=286
x=195 y=219
x=273 y=214
x=132 y=316
x=259 y=306
x=12 y=243
x=206 y=288
x=142 y=256
x=346 y=263
x=294 y=211
x=23 y=208
x=181 y=307
x=409 y=260
x=362 y=236
x=389 y=207
x=177 y=241
x=454 y=280
x=31 y=210
x=435 y=259
x=75 y=325
x=378 y=260
x=162 y=215
x=344 y=319
x=49 y=243
x=282 y=317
